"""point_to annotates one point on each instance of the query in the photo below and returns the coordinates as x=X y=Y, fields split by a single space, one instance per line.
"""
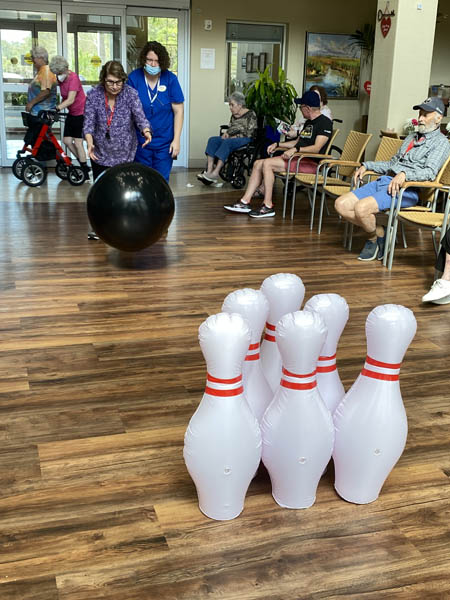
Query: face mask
x=152 y=70
x=62 y=77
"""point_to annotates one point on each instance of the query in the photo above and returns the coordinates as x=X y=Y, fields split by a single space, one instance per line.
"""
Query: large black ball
x=130 y=206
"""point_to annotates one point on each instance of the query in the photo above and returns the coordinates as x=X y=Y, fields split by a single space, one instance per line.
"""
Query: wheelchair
x=40 y=145
x=240 y=162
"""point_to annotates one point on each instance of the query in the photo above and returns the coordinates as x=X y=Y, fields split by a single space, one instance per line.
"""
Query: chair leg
x=286 y=188
x=322 y=202
x=313 y=205
x=392 y=249
x=402 y=226
x=294 y=190
x=346 y=233
x=350 y=237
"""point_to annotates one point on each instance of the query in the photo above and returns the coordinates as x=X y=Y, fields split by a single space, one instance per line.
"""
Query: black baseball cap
x=309 y=98
x=431 y=104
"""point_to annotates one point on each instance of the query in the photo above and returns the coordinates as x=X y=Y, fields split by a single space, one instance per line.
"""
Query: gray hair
x=58 y=65
x=40 y=52
x=238 y=98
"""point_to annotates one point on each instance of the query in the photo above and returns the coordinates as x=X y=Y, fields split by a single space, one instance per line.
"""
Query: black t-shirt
x=321 y=125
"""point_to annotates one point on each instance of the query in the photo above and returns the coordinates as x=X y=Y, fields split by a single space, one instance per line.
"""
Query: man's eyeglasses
x=114 y=83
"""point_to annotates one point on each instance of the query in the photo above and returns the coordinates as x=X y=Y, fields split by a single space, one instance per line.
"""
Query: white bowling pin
x=254 y=307
x=222 y=444
x=334 y=311
x=285 y=293
x=371 y=425
x=297 y=428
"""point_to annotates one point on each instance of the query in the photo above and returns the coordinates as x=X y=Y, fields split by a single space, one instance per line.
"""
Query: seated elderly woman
x=242 y=128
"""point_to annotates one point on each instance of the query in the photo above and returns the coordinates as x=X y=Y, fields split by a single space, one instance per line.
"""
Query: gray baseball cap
x=431 y=104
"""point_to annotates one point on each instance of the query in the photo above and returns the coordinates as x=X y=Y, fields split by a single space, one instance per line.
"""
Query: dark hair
x=114 y=68
x=159 y=50
x=322 y=93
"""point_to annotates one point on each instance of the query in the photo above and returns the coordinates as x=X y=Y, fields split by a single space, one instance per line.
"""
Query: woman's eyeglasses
x=114 y=83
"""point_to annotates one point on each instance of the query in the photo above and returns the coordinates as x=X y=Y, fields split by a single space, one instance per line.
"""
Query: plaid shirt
x=421 y=163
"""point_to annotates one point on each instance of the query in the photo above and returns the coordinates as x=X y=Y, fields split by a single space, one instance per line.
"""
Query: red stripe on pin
x=298 y=386
x=252 y=357
x=269 y=338
x=289 y=374
x=327 y=357
x=254 y=346
x=382 y=376
x=327 y=369
x=270 y=326
x=226 y=381
x=224 y=393
x=377 y=363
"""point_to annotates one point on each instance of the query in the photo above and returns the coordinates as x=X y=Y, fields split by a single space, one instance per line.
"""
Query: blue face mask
x=152 y=70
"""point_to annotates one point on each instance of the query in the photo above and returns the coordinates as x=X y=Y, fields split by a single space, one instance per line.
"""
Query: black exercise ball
x=130 y=206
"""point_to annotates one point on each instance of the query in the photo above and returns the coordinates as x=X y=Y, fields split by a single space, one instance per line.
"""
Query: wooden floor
x=100 y=371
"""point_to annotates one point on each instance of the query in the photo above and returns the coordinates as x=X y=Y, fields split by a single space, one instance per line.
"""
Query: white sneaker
x=439 y=292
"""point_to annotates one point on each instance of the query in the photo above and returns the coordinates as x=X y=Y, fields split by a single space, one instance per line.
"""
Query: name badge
x=162 y=88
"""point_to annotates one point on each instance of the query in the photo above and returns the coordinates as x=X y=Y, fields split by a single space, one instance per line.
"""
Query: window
x=250 y=48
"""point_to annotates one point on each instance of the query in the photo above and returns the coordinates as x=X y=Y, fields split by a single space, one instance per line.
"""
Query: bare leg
x=210 y=166
x=219 y=165
x=69 y=142
x=81 y=154
x=446 y=273
x=254 y=182
x=360 y=212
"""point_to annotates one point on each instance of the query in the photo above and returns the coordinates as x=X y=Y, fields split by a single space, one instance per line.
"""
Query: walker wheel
x=76 y=175
x=61 y=169
x=17 y=167
x=34 y=173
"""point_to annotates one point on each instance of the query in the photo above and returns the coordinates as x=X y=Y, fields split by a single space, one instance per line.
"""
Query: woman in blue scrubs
x=162 y=99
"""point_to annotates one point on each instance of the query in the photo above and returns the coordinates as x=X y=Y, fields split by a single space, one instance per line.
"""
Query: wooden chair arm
x=342 y=163
x=313 y=155
x=424 y=184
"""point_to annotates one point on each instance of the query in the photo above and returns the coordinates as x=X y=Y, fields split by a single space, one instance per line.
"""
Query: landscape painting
x=333 y=61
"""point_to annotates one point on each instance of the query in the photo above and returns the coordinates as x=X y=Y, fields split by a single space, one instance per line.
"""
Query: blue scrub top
x=160 y=112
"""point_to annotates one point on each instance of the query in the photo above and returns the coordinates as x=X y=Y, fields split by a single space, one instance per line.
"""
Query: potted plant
x=272 y=101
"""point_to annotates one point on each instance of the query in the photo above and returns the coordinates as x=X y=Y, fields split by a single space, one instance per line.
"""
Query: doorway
x=88 y=35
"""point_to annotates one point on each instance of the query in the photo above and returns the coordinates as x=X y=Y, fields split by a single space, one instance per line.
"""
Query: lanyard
x=149 y=91
x=111 y=110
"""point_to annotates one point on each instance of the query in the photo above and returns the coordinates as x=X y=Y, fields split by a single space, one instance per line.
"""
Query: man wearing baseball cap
x=312 y=139
x=420 y=158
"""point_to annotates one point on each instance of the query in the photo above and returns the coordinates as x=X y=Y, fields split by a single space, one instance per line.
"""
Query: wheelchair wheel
x=238 y=182
x=226 y=172
x=61 y=169
x=34 y=173
x=17 y=167
x=76 y=175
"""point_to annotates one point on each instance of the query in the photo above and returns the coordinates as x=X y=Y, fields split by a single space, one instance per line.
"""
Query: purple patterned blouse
x=120 y=146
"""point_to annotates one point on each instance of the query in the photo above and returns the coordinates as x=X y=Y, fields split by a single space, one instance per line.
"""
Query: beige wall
x=440 y=68
x=207 y=107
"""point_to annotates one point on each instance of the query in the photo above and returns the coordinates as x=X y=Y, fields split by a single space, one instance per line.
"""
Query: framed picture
x=262 y=61
x=249 y=62
x=333 y=61
x=255 y=63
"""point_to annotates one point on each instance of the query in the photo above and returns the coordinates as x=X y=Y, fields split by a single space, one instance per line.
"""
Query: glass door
x=168 y=27
x=92 y=35
x=20 y=30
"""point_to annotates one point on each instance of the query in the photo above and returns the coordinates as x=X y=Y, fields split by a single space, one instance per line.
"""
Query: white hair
x=40 y=52
x=58 y=65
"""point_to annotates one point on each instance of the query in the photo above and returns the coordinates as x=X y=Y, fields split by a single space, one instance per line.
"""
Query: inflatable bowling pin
x=285 y=293
x=222 y=444
x=254 y=307
x=297 y=428
x=371 y=425
x=334 y=311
